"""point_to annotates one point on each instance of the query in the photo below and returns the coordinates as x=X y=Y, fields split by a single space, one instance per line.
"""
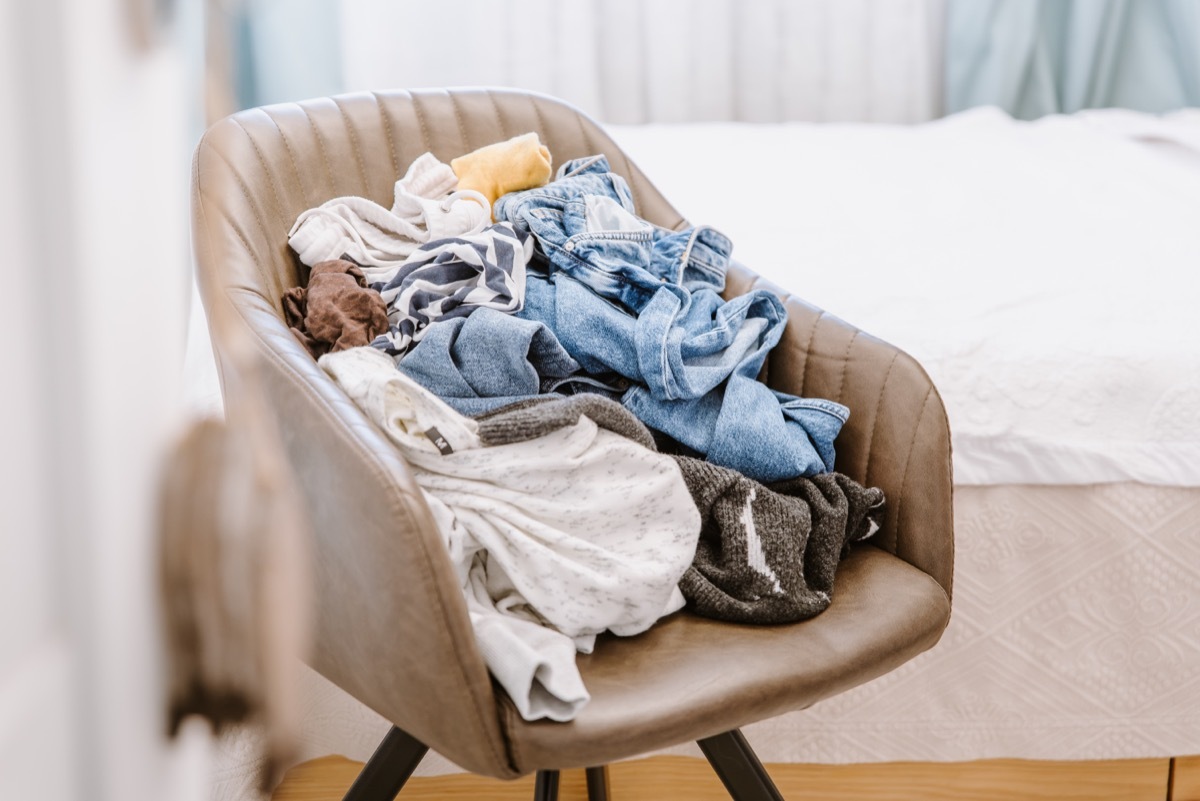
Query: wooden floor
x=666 y=778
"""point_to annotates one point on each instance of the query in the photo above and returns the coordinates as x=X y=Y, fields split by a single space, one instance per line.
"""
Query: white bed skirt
x=1075 y=635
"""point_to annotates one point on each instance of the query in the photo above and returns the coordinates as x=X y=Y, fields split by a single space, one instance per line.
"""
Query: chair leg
x=388 y=768
x=597 y=783
x=545 y=787
x=738 y=767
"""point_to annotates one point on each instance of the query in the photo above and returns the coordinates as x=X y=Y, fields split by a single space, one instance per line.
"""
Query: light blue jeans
x=491 y=359
x=693 y=366
x=585 y=225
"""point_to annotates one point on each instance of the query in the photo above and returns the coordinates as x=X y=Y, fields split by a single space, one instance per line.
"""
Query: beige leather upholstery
x=392 y=627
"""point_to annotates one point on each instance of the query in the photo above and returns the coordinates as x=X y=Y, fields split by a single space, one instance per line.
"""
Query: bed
x=1045 y=274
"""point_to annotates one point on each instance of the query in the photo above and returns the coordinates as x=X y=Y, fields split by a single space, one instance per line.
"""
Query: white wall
x=93 y=186
x=36 y=651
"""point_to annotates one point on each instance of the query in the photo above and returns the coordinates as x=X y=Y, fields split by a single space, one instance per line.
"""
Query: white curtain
x=635 y=61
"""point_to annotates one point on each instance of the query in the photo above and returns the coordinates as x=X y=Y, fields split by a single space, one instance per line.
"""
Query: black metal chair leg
x=738 y=767
x=388 y=768
x=597 y=783
x=545 y=787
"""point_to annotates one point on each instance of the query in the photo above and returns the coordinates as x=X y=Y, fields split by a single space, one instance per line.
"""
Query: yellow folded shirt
x=522 y=162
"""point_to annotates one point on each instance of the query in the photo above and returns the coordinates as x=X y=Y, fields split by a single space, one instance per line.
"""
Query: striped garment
x=451 y=278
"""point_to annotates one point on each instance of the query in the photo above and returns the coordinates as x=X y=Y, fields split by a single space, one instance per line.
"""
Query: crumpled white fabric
x=425 y=209
x=555 y=539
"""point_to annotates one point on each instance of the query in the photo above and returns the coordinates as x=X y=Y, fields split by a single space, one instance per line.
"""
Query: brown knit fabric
x=336 y=311
x=541 y=414
x=768 y=554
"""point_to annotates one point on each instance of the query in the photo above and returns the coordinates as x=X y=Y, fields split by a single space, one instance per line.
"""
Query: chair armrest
x=377 y=557
x=897 y=437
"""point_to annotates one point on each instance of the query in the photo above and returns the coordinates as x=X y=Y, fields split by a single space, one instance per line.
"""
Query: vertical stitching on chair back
x=499 y=117
x=426 y=141
x=358 y=159
x=262 y=162
x=387 y=132
x=291 y=157
x=875 y=417
x=462 y=129
x=320 y=143
x=908 y=462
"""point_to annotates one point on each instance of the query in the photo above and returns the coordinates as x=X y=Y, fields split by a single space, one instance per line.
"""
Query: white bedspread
x=1046 y=274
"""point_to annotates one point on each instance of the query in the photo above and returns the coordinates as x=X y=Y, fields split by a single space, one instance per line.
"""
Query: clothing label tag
x=439 y=442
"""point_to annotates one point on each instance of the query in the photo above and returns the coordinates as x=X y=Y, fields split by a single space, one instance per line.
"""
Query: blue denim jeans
x=585 y=224
x=491 y=359
x=694 y=373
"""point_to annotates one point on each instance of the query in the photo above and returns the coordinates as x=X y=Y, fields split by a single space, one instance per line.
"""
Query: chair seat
x=689 y=677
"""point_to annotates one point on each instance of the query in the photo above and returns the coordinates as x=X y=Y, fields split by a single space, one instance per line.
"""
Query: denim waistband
x=608 y=248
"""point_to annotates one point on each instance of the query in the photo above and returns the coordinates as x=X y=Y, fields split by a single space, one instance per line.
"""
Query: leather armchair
x=391 y=624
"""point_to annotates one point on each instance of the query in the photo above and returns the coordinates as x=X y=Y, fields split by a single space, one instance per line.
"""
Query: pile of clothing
x=579 y=405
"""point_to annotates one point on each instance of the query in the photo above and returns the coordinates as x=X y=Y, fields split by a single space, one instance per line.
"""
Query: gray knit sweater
x=767 y=554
